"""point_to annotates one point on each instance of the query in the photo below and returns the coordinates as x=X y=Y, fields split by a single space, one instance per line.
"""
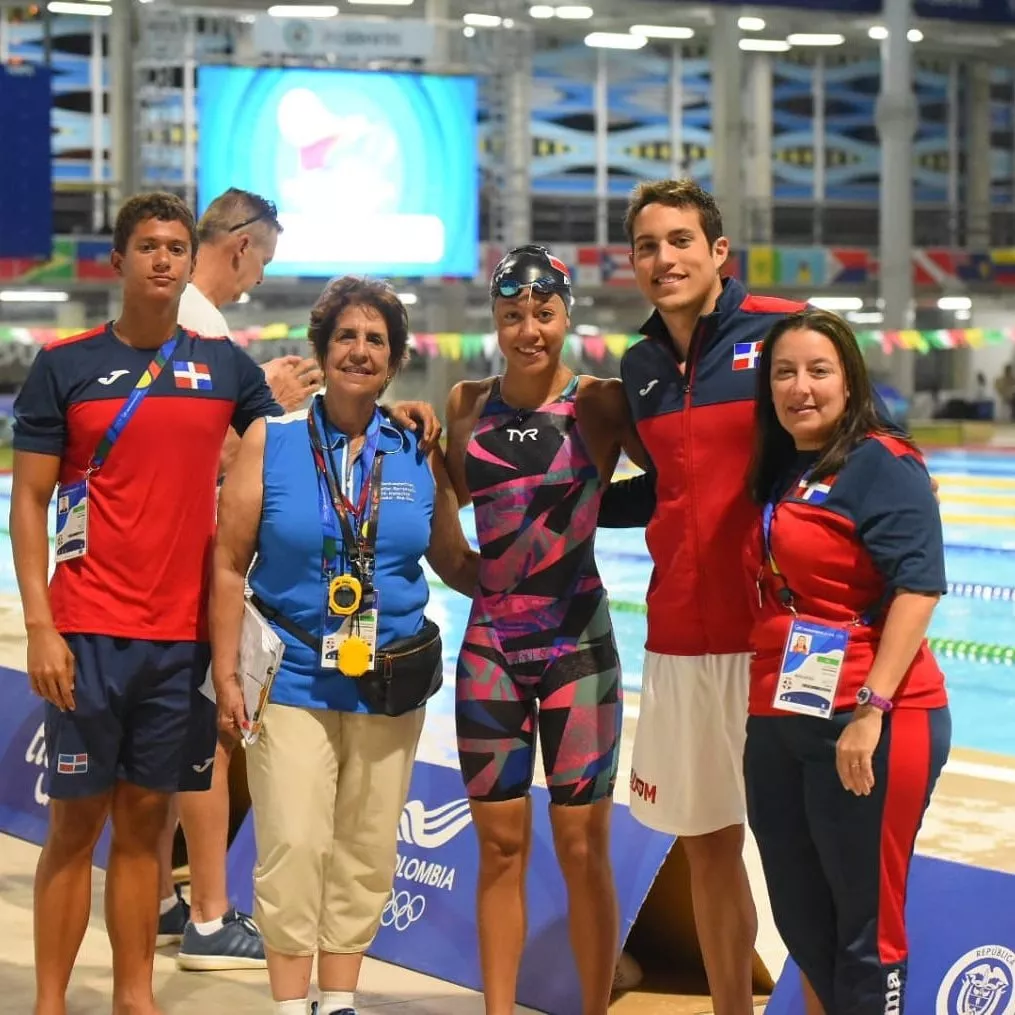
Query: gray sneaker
x=237 y=945
x=173 y=923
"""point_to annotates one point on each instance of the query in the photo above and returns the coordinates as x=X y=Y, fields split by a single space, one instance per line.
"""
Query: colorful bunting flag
x=455 y=346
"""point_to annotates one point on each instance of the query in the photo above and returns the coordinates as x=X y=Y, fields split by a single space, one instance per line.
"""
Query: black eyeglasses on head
x=270 y=213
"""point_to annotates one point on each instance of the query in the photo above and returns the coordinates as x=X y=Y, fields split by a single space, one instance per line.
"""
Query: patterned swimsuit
x=539 y=646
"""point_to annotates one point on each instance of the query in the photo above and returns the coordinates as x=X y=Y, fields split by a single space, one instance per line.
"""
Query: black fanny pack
x=408 y=672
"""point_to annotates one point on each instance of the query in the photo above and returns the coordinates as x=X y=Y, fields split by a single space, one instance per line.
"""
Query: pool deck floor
x=971 y=819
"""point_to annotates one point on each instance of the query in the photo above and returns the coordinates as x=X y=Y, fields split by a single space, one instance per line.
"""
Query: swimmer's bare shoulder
x=465 y=404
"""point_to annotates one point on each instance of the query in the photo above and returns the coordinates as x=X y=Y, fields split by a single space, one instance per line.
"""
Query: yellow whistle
x=354 y=656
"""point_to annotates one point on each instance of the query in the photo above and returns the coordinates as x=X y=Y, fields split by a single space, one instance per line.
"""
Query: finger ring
x=854 y=764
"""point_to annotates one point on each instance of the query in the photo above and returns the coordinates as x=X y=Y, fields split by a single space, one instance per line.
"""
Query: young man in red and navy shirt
x=117 y=642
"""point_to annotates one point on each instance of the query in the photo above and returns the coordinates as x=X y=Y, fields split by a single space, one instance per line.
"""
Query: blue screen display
x=372 y=172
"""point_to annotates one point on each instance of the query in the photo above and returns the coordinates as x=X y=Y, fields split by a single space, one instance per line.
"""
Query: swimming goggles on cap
x=509 y=288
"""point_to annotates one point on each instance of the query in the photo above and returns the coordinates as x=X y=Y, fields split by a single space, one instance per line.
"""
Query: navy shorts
x=139 y=717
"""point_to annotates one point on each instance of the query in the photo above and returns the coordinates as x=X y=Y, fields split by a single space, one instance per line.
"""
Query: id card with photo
x=361 y=625
x=811 y=667
x=71 y=521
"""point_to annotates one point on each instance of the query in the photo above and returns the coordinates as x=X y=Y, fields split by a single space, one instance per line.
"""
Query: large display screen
x=372 y=172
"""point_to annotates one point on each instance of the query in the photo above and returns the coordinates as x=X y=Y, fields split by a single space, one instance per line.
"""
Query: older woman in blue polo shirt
x=339 y=509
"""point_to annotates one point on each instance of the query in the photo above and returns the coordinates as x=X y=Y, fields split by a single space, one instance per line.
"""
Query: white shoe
x=628 y=973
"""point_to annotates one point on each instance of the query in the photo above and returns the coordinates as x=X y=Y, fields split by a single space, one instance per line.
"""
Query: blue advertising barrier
x=429 y=923
x=961 y=923
x=961 y=919
x=23 y=801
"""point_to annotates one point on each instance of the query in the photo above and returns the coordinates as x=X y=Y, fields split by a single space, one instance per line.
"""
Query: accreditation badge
x=811 y=667
x=71 y=521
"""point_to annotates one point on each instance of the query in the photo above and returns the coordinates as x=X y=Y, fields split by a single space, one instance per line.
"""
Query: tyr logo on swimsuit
x=522 y=435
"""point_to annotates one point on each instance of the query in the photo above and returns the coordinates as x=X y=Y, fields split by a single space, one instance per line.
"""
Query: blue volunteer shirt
x=287 y=574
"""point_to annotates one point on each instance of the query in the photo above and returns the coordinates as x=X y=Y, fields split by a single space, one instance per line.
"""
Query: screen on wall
x=372 y=172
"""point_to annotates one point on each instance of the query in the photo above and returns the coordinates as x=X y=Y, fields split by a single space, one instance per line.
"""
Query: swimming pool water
x=977 y=491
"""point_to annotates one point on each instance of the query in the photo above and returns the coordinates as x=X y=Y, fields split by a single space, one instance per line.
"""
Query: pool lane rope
x=950 y=648
x=974 y=651
x=973 y=590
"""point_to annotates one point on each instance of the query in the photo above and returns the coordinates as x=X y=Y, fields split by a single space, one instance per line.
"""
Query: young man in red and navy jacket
x=690 y=386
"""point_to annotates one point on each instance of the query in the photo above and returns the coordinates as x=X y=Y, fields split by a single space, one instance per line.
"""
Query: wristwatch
x=865 y=696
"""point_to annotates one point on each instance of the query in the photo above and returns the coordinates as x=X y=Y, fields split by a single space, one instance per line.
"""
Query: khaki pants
x=327 y=790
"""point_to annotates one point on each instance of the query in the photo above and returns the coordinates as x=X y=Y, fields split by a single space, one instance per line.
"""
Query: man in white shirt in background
x=238 y=234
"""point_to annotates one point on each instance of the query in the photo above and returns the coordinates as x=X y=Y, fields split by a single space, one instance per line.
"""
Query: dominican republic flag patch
x=72 y=764
x=813 y=493
x=745 y=355
x=192 y=376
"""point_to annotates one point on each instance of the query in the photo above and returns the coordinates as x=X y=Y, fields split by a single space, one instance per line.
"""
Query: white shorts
x=687 y=767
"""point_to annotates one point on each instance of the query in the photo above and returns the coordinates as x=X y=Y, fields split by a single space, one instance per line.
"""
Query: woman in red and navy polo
x=849 y=725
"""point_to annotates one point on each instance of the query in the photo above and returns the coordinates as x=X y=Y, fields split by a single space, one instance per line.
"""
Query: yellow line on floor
x=972 y=482
x=993 y=521
x=1003 y=500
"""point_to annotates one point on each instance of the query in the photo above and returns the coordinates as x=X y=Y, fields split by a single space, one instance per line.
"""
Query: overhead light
x=662 y=31
x=481 y=20
x=866 y=317
x=764 y=45
x=816 y=39
x=303 y=11
x=541 y=11
x=747 y=24
x=90 y=9
x=880 y=33
x=574 y=12
x=33 y=295
x=955 y=303
x=614 y=40
x=409 y=299
x=963 y=315
x=836 y=302
x=468 y=31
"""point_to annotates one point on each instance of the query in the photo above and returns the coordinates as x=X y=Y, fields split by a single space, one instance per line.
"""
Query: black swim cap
x=533 y=266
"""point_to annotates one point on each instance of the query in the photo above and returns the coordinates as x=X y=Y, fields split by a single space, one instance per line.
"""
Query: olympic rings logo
x=402 y=910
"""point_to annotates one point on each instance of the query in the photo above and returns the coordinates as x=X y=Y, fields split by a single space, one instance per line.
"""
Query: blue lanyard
x=336 y=509
x=136 y=397
x=767 y=514
x=786 y=593
x=767 y=517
